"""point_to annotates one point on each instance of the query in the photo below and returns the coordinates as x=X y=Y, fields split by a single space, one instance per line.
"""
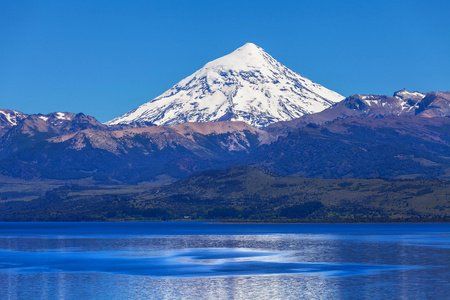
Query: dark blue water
x=170 y=260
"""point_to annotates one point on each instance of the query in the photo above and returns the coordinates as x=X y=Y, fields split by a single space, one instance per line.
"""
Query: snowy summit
x=247 y=85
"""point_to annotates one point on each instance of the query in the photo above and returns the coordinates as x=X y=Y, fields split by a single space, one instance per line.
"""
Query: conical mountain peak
x=248 y=47
x=246 y=85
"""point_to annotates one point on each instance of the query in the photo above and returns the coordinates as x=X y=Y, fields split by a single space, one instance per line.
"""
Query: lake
x=201 y=260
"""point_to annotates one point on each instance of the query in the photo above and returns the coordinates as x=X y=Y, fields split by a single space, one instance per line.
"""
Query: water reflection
x=197 y=262
x=226 y=266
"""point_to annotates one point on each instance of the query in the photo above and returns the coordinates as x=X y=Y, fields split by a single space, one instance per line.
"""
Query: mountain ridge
x=402 y=103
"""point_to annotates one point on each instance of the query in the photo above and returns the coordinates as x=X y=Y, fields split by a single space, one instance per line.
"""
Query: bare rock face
x=434 y=104
x=205 y=138
x=247 y=85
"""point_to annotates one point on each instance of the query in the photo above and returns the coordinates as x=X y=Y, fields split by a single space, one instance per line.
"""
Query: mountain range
x=363 y=136
x=242 y=109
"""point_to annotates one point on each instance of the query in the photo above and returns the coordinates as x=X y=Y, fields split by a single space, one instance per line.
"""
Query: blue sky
x=104 y=58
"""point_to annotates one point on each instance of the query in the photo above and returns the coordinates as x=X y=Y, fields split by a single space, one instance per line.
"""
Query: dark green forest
x=243 y=194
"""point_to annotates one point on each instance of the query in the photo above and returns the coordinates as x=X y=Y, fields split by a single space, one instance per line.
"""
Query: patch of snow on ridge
x=247 y=85
x=8 y=117
x=11 y=116
x=404 y=94
x=61 y=116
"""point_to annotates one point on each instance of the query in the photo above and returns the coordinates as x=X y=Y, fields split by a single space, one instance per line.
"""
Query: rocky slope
x=136 y=154
x=362 y=147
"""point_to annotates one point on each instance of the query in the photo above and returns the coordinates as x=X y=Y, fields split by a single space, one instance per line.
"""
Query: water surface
x=191 y=260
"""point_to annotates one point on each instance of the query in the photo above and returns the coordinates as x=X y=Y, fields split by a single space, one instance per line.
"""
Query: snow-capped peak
x=245 y=58
x=246 y=85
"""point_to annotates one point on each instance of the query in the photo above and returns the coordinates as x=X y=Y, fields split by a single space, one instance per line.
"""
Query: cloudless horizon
x=104 y=58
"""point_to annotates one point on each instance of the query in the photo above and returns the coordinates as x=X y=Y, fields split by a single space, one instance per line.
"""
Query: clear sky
x=104 y=58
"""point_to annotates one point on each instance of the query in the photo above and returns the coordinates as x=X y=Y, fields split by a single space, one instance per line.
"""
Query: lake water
x=190 y=260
